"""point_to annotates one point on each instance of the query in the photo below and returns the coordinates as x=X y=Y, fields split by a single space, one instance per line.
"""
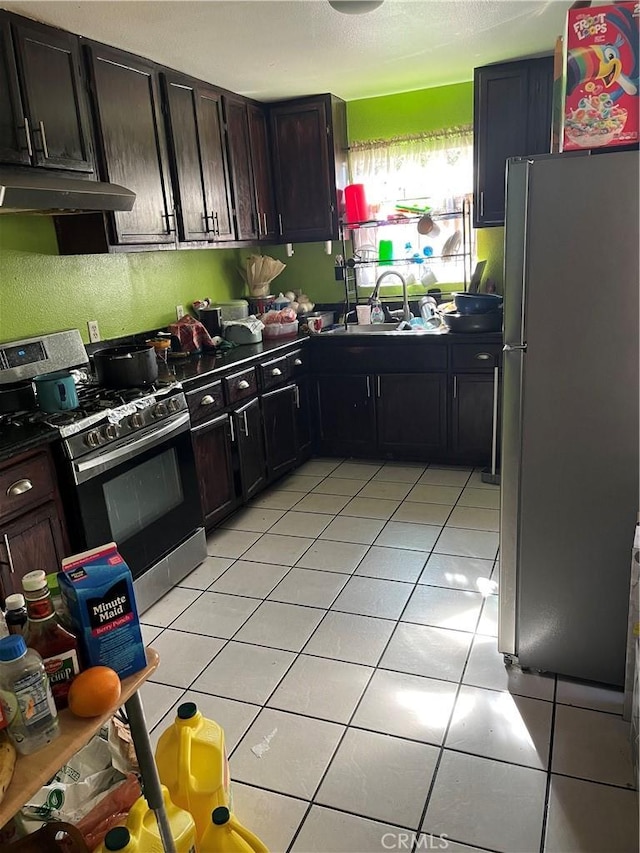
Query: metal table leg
x=148 y=770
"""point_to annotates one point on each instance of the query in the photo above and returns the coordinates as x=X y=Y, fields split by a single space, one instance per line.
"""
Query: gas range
x=106 y=415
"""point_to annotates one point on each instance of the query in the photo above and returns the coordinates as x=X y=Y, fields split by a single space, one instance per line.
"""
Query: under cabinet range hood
x=28 y=192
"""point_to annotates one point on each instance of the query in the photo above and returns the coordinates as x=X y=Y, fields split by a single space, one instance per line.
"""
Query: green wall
x=42 y=292
x=410 y=112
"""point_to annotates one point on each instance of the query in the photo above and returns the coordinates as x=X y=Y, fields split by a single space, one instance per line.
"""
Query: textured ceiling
x=269 y=49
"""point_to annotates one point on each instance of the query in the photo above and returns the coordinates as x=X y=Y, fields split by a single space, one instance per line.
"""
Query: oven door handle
x=83 y=471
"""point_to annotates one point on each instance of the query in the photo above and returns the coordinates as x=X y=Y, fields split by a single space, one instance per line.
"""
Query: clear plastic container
x=280 y=330
x=32 y=718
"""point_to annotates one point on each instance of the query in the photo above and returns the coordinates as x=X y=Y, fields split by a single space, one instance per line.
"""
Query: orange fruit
x=94 y=691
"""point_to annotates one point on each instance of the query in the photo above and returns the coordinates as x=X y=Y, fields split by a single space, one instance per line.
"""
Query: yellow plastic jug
x=141 y=834
x=192 y=763
x=225 y=834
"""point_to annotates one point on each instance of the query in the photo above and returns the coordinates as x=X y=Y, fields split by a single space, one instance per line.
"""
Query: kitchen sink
x=382 y=329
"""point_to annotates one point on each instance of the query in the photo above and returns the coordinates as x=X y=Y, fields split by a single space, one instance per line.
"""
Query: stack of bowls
x=477 y=312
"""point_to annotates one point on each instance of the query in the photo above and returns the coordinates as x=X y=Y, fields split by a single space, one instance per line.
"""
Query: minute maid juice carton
x=97 y=589
x=601 y=76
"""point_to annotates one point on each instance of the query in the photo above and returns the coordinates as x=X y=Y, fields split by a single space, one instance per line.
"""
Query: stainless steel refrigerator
x=570 y=428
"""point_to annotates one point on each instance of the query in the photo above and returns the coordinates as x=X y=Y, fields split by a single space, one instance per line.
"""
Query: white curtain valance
x=437 y=165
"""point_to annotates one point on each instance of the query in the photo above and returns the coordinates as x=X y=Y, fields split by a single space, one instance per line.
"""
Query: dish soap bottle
x=377 y=314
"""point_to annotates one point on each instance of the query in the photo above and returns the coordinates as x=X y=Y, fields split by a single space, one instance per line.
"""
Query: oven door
x=141 y=493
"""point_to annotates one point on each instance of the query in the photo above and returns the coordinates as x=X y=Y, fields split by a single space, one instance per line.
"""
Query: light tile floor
x=346 y=621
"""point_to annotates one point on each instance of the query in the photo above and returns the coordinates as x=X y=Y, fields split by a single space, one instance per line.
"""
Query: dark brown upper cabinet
x=512 y=105
x=198 y=160
x=131 y=144
x=309 y=146
x=44 y=119
x=262 y=178
x=244 y=197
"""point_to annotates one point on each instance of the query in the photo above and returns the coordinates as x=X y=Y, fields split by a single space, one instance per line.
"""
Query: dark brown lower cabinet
x=303 y=421
x=279 y=416
x=346 y=416
x=472 y=416
x=247 y=425
x=411 y=414
x=214 y=463
x=34 y=540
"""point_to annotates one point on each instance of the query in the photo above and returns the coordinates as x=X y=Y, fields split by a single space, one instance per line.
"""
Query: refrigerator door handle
x=514 y=348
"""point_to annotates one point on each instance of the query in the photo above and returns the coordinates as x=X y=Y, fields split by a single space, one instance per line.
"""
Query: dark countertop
x=421 y=339
x=18 y=439
x=191 y=371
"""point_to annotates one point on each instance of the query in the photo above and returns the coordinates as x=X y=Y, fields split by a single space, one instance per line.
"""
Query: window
x=433 y=170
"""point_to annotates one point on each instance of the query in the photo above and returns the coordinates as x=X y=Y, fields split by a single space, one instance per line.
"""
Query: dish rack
x=365 y=253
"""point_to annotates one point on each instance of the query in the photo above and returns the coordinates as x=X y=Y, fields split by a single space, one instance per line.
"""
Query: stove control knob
x=110 y=431
x=92 y=439
x=136 y=421
x=174 y=405
x=160 y=410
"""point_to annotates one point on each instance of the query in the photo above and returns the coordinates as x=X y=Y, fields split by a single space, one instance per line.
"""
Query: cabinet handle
x=246 y=423
x=482 y=203
x=297 y=362
x=494 y=430
x=233 y=435
x=455 y=387
x=27 y=133
x=482 y=356
x=43 y=139
x=297 y=390
x=280 y=223
x=205 y=218
x=207 y=400
x=19 y=488
x=368 y=386
x=9 y=555
x=168 y=216
x=214 y=219
x=242 y=385
x=378 y=387
x=265 y=230
x=276 y=372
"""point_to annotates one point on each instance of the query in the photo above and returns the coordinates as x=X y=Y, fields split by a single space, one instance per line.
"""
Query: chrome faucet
x=406 y=313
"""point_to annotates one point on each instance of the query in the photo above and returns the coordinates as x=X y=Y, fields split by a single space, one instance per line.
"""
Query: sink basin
x=383 y=329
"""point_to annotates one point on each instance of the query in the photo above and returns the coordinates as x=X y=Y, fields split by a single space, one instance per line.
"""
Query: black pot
x=465 y=323
x=477 y=303
x=17 y=397
x=126 y=367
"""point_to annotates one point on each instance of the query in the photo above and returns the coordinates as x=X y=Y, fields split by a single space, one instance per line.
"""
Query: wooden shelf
x=33 y=771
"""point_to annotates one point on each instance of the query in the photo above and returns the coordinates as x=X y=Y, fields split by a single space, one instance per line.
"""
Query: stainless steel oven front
x=142 y=492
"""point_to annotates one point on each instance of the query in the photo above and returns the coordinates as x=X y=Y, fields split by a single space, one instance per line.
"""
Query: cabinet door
x=279 y=415
x=472 y=417
x=55 y=98
x=214 y=163
x=33 y=541
x=301 y=168
x=346 y=419
x=247 y=422
x=132 y=144
x=412 y=414
x=512 y=117
x=262 y=179
x=214 y=465
x=186 y=164
x=13 y=121
x=241 y=172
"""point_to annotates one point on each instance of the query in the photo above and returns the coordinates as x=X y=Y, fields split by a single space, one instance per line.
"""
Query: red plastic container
x=355 y=202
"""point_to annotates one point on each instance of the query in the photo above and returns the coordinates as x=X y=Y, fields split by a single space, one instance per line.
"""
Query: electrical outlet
x=179 y=312
x=94 y=331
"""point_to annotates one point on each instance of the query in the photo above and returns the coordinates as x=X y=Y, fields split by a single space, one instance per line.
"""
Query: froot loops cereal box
x=601 y=76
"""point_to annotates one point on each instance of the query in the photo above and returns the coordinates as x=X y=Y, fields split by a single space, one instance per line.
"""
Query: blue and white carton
x=97 y=589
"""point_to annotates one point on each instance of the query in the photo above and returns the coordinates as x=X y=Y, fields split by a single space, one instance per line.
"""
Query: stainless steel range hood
x=23 y=191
